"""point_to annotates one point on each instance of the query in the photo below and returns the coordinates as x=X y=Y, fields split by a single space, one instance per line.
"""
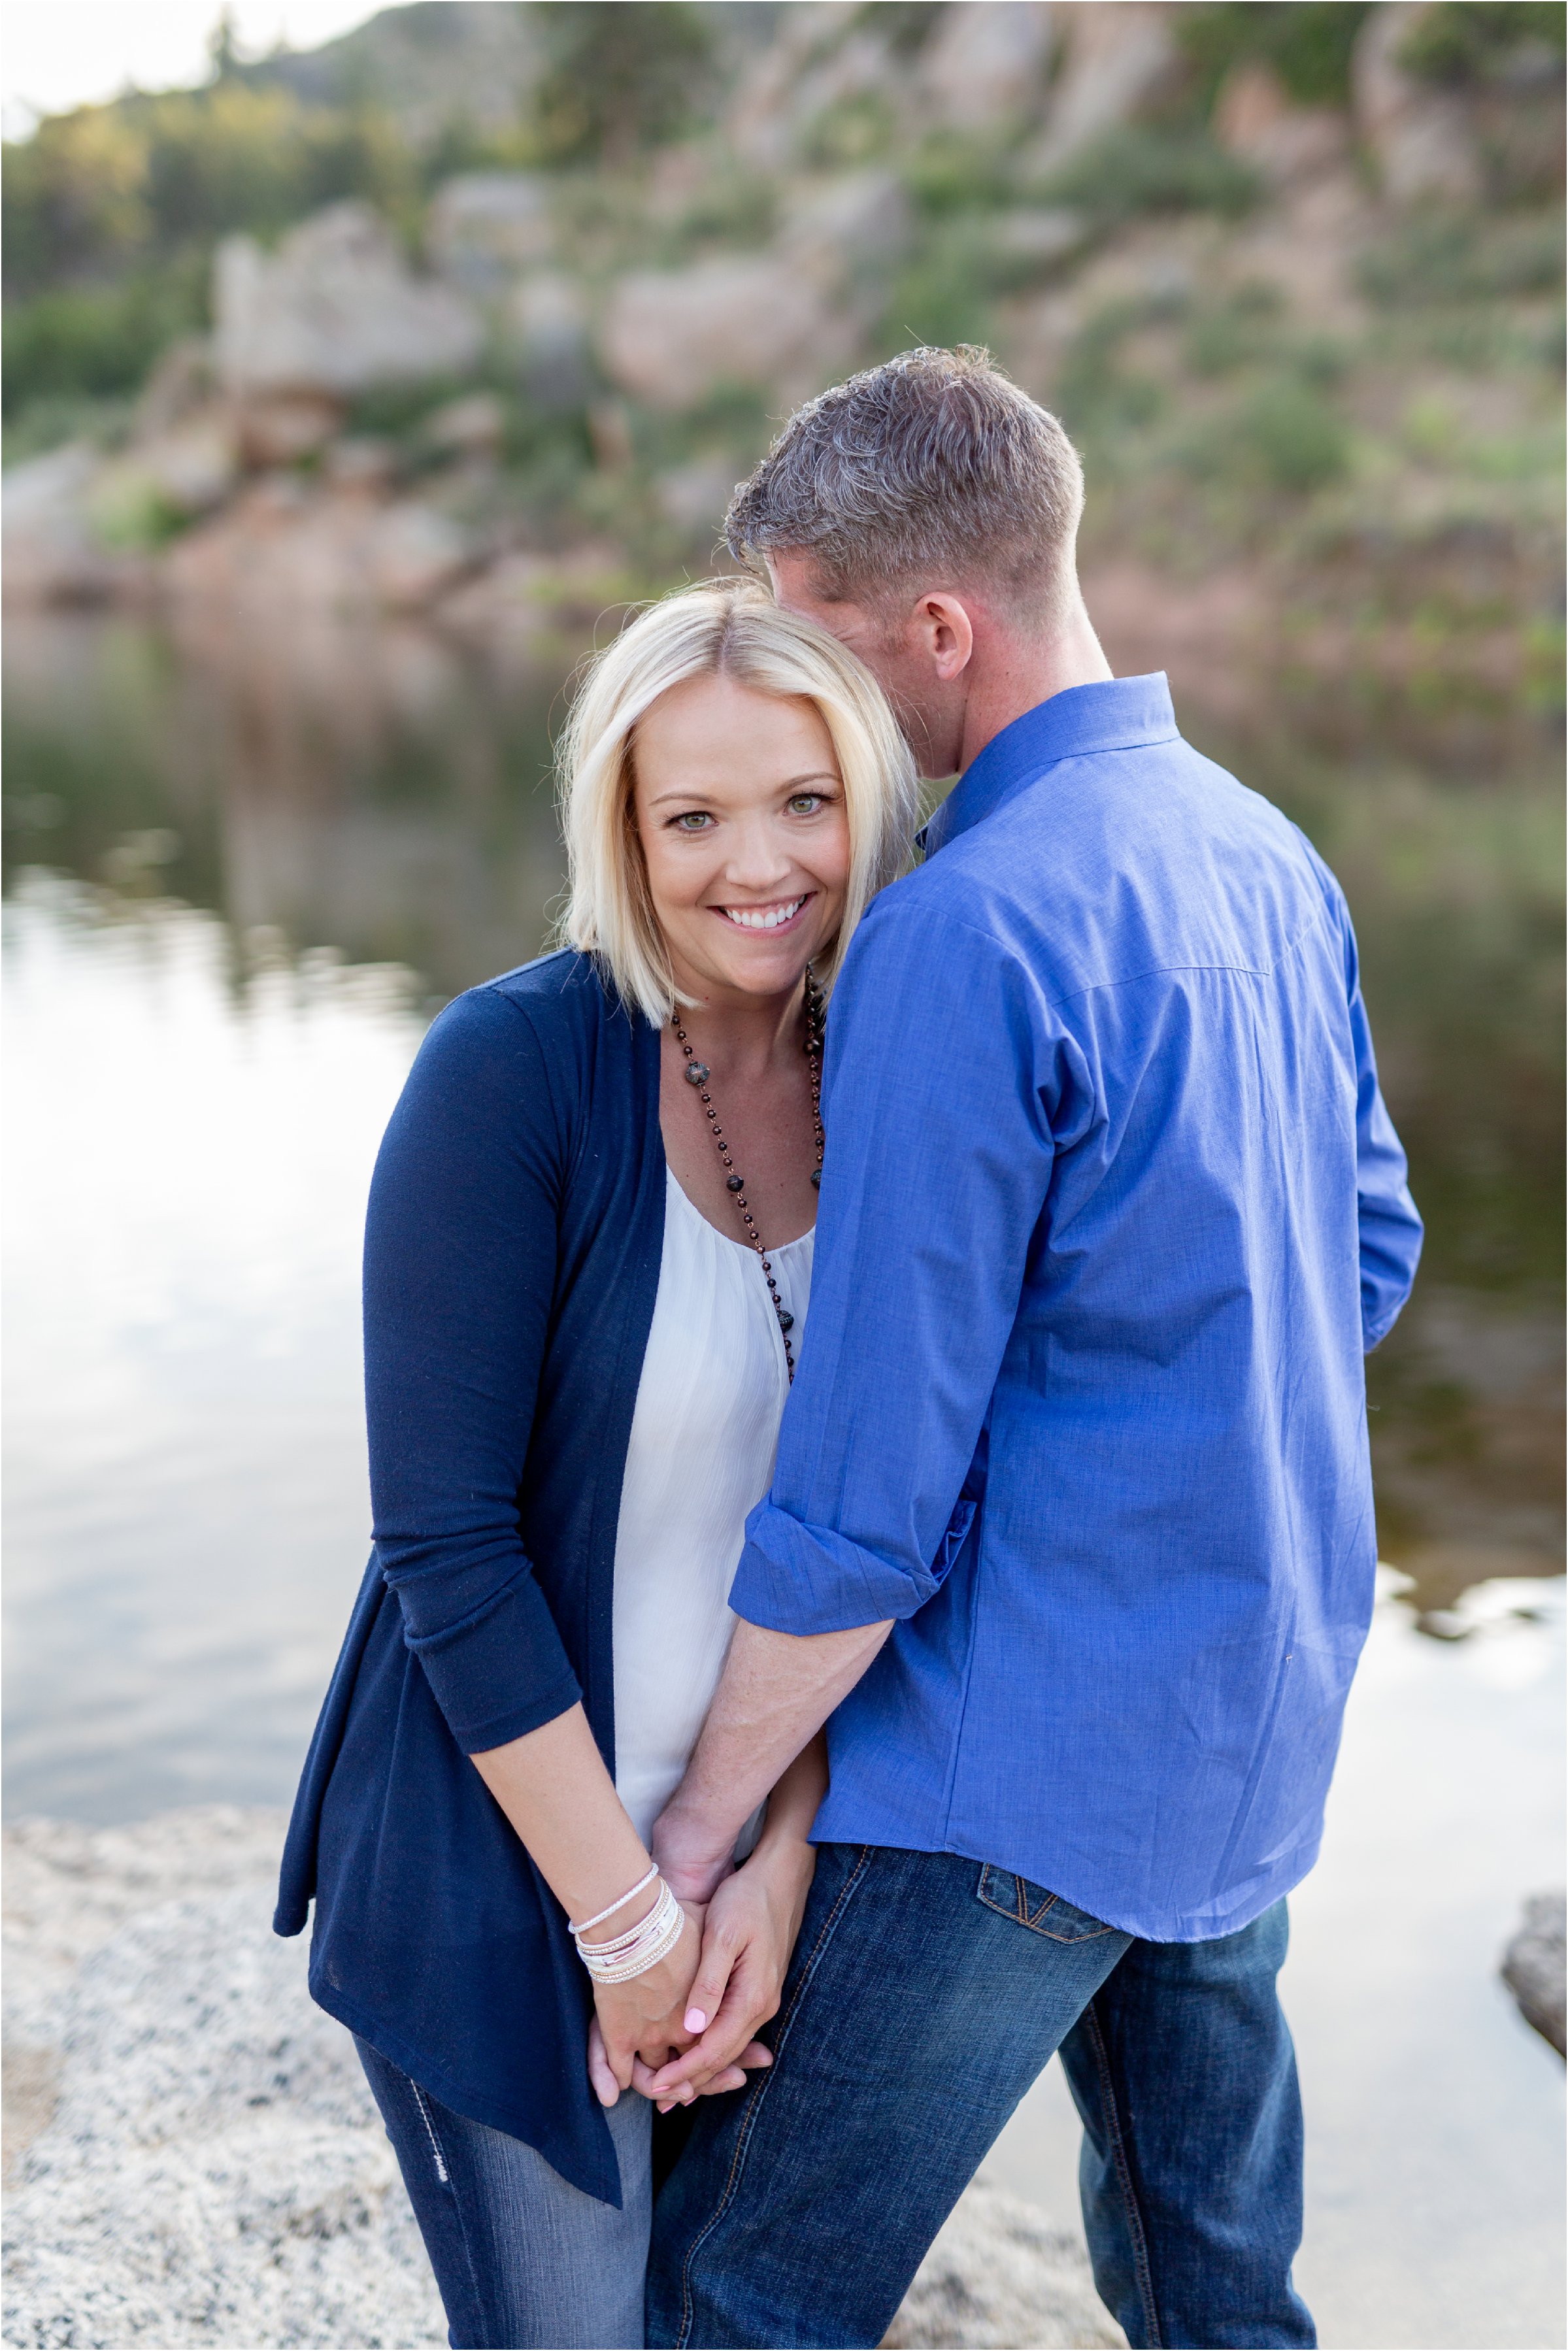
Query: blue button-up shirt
x=1111 y=1210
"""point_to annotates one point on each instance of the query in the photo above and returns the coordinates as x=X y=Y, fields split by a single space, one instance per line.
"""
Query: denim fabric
x=926 y=1993
x=521 y=2257
x=1110 y=1210
x=1182 y=2069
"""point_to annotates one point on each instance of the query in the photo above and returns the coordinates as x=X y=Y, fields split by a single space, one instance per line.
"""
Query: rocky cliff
x=1297 y=303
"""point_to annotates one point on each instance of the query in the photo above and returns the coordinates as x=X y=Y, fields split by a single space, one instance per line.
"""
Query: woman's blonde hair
x=725 y=628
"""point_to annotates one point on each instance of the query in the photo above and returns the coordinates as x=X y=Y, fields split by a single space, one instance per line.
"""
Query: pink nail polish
x=695 y=2021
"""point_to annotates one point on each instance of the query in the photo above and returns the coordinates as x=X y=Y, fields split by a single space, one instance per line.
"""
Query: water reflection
x=242 y=873
x=377 y=790
x=188 y=1152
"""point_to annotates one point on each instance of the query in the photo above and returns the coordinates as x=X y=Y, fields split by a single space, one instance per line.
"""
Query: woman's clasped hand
x=687 y=2027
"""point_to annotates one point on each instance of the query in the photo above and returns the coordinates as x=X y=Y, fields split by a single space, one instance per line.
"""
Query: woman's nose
x=757 y=857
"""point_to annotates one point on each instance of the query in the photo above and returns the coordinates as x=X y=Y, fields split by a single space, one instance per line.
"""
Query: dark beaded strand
x=698 y=1074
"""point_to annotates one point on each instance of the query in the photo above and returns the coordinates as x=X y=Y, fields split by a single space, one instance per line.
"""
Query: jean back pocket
x=1030 y=1905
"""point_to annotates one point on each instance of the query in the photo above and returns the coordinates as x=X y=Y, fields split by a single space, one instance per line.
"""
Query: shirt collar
x=1119 y=714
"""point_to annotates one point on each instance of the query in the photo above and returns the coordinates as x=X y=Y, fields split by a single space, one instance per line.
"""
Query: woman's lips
x=779 y=915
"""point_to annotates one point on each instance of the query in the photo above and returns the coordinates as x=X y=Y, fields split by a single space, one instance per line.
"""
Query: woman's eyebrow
x=691 y=798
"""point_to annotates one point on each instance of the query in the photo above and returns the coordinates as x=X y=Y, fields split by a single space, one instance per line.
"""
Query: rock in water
x=203 y=2160
x=1533 y=1966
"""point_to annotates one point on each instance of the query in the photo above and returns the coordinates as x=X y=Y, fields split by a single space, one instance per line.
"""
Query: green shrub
x=97 y=341
x=1298 y=439
x=904 y=24
x=1463 y=45
x=1132 y=170
x=1308 y=45
x=1284 y=435
x=948 y=174
x=1225 y=338
x=106 y=188
x=852 y=131
x=38 y=425
x=1095 y=394
x=1464 y=258
x=944 y=294
x=619 y=80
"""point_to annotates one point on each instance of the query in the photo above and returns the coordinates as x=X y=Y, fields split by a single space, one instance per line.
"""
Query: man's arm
x=944 y=1076
x=778 y=1690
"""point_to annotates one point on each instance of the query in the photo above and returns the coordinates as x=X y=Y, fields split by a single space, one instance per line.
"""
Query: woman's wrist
x=622 y=1915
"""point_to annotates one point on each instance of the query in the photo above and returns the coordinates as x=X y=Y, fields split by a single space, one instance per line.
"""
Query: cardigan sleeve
x=460 y=1258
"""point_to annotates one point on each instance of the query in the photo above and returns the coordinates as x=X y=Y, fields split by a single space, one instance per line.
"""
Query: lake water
x=239 y=879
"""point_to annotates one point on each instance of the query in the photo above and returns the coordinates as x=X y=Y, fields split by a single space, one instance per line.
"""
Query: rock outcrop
x=1120 y=53
x=1533 y=1966
x=195 y=2157
x=1421 y=140
x=334 y=310
x=485 y=226
x=673 y=337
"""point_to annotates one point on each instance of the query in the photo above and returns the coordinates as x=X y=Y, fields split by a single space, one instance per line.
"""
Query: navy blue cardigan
x=511 y=1265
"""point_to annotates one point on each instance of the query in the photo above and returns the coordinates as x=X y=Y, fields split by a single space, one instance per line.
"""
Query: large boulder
x=983 y=66
x=1533 y=1966
x=825 y=55
x=336 y=310
x=281 y=549
x=1285 y=144
x=1421 y=138
x=546 y=319
x=674 y=337
x=54 y=551
x=1119 y=55
x=849 y=228
x=485 y=226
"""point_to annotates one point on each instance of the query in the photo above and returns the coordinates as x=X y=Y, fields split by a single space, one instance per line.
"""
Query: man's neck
x=1018 y=673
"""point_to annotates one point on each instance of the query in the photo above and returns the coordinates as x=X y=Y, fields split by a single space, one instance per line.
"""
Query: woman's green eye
x=693 y=820
x=807 y=803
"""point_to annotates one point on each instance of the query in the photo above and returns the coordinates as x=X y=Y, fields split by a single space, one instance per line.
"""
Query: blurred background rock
x=349 y=396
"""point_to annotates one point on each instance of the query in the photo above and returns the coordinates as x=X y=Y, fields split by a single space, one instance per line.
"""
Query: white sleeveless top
x=703 y=1434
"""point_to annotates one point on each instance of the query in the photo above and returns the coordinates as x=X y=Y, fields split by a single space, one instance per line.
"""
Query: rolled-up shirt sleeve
x=941 y=1073
x=460 y=1253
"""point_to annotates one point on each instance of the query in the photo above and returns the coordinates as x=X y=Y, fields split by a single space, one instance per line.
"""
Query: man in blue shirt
x=1072 y=1520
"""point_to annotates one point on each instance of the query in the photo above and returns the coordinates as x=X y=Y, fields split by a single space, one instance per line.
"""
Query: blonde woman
x=587 y=1270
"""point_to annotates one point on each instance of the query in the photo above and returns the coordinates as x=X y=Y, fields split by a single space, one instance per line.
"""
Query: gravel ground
x=193 y=2157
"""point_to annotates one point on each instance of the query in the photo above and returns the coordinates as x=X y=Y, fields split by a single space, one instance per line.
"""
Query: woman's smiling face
x=739 y=808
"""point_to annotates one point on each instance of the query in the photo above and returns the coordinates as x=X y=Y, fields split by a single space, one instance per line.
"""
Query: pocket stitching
x=1018 y=1912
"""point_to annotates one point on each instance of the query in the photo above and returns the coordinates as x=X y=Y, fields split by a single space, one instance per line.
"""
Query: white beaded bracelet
x=633 y=1953
x=581 y=1926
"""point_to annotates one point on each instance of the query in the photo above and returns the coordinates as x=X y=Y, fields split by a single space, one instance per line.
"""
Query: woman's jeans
x=925 y=1994
x=521 y=2257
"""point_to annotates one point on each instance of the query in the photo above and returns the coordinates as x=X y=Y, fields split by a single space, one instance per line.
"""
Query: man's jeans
x=925 y=1994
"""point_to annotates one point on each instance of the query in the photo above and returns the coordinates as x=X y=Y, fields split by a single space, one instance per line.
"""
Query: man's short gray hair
x=931 y=470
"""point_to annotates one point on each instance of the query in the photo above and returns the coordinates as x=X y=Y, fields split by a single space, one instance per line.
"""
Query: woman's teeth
x=764 y=919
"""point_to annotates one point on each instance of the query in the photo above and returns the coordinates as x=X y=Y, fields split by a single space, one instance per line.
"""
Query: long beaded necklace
x=698 y=1074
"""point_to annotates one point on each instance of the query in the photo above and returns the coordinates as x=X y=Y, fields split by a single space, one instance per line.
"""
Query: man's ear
x=942 y=626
